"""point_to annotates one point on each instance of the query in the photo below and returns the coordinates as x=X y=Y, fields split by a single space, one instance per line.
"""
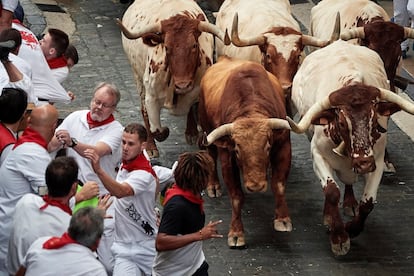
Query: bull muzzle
x=363 y=165
x=256 y=186
x=183 y=87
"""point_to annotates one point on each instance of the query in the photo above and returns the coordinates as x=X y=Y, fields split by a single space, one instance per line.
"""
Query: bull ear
x=324 y=118
x=387 y=109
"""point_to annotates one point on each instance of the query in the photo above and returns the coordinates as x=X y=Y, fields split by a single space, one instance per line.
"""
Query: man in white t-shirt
x=49 y=215
x=23 y=170
x=136 y=187
x=96 y=129
x=69 y=254
x=22 y=66
x=46 y=87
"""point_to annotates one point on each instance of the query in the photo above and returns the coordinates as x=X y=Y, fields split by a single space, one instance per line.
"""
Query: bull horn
x=408 y=33
x=390 y=96
x=357 y=32
x=219 y=132
x=152 y=28
x=235 y=39
x=313 y=41
x=276 y=123
x=214 y=30
x=306 y=120
x=340 y=149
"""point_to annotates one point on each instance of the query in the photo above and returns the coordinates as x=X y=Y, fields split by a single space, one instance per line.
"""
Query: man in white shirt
x=71 y=253
x=46 y=87
x=96 y=129
x=23 y=171
x=136 y=188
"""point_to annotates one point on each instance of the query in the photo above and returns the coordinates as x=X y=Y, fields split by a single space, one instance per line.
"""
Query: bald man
x=23 y=170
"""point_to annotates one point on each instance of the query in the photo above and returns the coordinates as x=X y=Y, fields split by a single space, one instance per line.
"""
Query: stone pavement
x=386 y=246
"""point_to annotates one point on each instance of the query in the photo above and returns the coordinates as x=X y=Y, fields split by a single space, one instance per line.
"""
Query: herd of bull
x=244 y=96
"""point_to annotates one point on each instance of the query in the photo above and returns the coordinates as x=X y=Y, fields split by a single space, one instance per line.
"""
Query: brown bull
x=240 y=107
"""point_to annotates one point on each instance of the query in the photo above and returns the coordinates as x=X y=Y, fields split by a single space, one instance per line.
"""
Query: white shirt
x=31 y=223
x=70 y=260
x=45 y=85
x=61 y=73
x=9 y=5
x=26 y=69
x=135 y=220
x=110 y=134
x=22 y=172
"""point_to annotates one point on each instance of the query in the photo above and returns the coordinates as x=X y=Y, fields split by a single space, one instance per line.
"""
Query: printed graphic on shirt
x=136 y=216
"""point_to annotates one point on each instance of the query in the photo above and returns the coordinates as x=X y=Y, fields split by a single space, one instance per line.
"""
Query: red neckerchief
x=31 y=135
x=139 y=163
x=49 y=201
x=7 y=137
x=17 y=21
x=58 y=242
x=175 y=190
x=57 y=62
x=92 y=123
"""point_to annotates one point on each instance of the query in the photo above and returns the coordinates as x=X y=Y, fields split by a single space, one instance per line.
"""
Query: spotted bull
x=366 y=23
x=266 y=32
x=346 y=99
x=169 y=45
x=241 y=106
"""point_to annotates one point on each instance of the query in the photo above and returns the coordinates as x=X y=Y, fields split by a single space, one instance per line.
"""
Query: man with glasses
x=95 y=129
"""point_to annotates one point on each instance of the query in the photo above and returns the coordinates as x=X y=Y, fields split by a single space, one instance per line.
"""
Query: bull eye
x=195 y=47
x=268 y=58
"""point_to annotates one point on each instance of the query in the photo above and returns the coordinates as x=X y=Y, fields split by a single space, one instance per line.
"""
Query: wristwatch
x=74 y=142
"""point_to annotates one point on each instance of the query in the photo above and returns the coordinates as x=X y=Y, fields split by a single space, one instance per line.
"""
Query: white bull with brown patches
x=346 y=97
x=365 y=23
x=169 y=44
x=266 y=32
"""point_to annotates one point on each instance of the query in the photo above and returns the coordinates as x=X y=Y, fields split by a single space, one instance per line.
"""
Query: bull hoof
x=153 y=153
x=214 y=192
x=389 y=168
x=351 y=211
x=282 y=225
x=191 y=139
x=161 y=135
x=341 y=247
x=236 y=242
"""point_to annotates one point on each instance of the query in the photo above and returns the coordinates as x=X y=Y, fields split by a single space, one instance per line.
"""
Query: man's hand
x=71 y=95
x=89 y=190
x=92 y=155
x=104 y=203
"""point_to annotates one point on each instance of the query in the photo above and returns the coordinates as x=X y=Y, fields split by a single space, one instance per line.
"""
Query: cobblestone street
x=386 y=247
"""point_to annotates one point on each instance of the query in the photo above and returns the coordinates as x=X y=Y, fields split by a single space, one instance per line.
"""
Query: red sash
x=139 y=163
x=58 y=242
x=49 y=201
x=57 y=62
x=31 y=135
x=6 y=137
x=92 y=123
x=177 y=191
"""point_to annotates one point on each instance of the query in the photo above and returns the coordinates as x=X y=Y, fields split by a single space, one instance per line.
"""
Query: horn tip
x=293 y=126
